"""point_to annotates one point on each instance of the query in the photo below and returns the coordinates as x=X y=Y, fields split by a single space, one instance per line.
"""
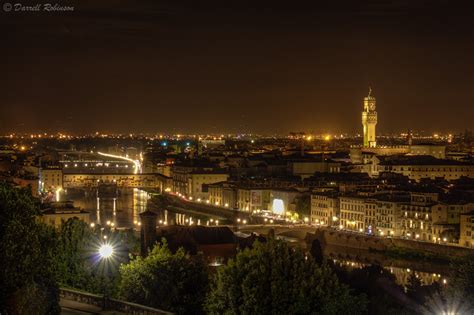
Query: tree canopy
x=27 y=250
x=175 y=282
x=272 y=278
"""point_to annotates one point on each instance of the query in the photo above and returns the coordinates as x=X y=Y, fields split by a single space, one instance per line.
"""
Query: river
x=123 y=211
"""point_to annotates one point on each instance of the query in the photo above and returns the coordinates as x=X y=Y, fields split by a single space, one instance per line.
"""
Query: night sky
x=237 y=66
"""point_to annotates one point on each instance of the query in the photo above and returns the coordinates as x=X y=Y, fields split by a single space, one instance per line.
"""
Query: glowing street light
x=106 y=251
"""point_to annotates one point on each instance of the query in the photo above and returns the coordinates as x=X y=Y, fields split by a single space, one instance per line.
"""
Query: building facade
x=223 y=194
x=467 y=229
x=192 y=180
x=59 y=212
x=252 y=199
x=369 y=121
x=418 y=168
x=324 y=208
x=283 y=200
x=51 y=179
x=352 y=212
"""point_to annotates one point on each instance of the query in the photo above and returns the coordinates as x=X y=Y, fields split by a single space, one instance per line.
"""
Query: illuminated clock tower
x=369 y=120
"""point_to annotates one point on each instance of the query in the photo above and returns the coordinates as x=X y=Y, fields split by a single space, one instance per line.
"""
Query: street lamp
x=106 y=251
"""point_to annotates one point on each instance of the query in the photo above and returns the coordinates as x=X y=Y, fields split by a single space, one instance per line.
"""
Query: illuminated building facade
x=223 y=194
x=283 y=200
x=467 y=229
x=352 y=212
x=369 y=121
x=51 y=179
x=324 y=208
x=59 y=212
x=251 y=199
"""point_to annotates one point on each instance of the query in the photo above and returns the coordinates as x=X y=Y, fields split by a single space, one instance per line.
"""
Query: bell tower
x=369 y=120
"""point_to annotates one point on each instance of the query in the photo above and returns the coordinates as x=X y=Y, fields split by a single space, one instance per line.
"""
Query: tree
x=378 y=285
x=456 y=296
x=414 y=288
x=303 y=205
x=75 y=244
x=175 y=282
x=78 y=262
x=272 y=278
x=462 y=278
x=27 y=250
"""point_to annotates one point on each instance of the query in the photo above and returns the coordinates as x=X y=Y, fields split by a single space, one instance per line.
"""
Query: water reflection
x=401 y=274
x=427 y=271
x=123 y=209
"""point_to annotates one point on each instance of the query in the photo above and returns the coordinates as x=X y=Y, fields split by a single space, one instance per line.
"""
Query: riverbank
x=392 y=247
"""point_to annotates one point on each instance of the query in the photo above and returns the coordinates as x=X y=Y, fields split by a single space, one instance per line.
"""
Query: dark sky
x=237 y=66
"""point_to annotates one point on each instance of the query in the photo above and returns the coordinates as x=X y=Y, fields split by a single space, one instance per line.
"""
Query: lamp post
x=106 y=251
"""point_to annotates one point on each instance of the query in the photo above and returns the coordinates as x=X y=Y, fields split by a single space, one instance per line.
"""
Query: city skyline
x=237 y=157
x=368 y=101
x=237 y=67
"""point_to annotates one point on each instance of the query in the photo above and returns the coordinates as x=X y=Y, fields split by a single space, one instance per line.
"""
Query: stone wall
x=448 y=250
x=365 y=242
x=110 y=304
x=353 y=240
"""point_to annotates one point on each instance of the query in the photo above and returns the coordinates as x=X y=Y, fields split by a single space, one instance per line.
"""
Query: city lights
x=282 y=158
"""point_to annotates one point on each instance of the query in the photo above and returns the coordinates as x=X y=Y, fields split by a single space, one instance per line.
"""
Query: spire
x=370 y=91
